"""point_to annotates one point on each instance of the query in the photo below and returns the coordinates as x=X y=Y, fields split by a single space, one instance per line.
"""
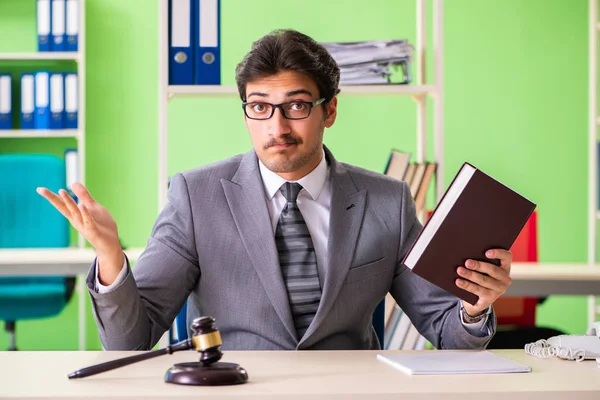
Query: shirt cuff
x=478 y=328
x=100 y=288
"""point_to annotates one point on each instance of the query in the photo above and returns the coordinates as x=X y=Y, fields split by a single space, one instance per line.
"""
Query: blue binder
x=41 y=117
x=58 y=26
x=5 y=101
x=208 y=50
x=181 y=42
x=72 y=27
x=44 y=24
x=57 y=100
x=27 y=100
x=71 y=101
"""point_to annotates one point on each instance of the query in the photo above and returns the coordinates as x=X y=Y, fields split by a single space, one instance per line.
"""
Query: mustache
x=287 y=139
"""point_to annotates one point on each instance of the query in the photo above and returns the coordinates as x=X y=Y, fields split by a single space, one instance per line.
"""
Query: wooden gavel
x=206 y=340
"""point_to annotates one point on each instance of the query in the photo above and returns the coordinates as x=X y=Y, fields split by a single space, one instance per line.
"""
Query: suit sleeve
x=432 y=310
x=135 y=313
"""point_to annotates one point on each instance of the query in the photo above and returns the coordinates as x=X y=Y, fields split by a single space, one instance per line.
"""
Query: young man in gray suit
x=285 y=246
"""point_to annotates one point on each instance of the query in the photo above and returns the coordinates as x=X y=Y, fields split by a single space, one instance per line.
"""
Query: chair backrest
x=520 y=311
x=379 y=321
x=181 y=326
x=26 y=221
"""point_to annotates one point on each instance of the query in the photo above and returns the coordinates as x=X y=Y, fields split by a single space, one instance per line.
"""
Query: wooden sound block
x=198 y=374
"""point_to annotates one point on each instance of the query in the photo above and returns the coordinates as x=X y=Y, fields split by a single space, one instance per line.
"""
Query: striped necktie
x=297 y=260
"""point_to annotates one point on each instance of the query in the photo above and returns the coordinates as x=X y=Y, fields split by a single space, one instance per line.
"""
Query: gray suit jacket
x=214 y=242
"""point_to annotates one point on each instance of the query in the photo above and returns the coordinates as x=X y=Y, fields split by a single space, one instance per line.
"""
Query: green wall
x=515 y=106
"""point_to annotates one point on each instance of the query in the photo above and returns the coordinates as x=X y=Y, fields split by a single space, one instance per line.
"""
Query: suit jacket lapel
x=246 y=198
x=347 y=211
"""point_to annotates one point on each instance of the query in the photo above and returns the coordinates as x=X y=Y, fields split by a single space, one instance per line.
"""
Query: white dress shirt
x=314 y=202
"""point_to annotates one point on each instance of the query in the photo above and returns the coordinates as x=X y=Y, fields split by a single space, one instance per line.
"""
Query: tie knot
x=290 y=191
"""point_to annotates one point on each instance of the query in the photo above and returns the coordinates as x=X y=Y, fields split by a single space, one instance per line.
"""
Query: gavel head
x=207 y=340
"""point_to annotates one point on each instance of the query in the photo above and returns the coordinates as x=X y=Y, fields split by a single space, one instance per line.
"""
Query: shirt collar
x=313 y=182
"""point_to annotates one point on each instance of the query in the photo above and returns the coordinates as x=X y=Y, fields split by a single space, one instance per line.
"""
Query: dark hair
x=289 y=50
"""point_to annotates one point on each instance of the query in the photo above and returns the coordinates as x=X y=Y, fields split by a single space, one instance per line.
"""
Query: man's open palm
x=89 y=217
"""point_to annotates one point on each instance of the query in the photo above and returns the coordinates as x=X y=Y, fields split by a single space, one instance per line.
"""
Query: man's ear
x=331 y=112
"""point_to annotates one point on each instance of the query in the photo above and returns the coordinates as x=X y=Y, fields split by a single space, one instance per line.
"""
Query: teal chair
x=28 y=221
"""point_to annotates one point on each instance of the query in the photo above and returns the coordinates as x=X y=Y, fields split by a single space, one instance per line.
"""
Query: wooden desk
x=59 y=261
x=299 y=375
x=543 y=279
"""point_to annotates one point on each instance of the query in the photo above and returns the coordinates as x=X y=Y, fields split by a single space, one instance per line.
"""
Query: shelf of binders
x=45 y=105
x=366 y=90
x=41 y=91
x=60 y=34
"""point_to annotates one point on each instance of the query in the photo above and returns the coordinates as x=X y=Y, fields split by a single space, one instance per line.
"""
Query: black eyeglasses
x=290 y=110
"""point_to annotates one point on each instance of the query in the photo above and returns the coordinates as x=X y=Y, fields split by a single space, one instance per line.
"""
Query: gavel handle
x=109 y=365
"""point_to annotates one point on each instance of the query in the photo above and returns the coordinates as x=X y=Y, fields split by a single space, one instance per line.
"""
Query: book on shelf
x=410 y=173
x=398 y=328
x=389 y=308
x=397 y=164
x=417 y=178
x=421 y=194
x=475 y=214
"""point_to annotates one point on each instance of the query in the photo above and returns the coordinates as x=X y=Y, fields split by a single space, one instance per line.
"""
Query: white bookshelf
x=40 y=133
x=593 y=122
x=78 y=134
x=421 y=90
x=42 y=56
x=367 y=90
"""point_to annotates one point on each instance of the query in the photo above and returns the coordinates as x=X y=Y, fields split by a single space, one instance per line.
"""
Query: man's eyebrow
x=288 y=94
x=298 y=91
x=261 y=94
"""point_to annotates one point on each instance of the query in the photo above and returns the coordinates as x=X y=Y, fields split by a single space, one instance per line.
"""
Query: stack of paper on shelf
x=372 y=62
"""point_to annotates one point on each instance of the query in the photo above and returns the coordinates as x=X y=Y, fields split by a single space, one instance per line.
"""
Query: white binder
x=5 y=102
x=71 y=101
x=27 y=101
x=43 y=25
x=72 y=26
x=57 y=101
x=58 y=25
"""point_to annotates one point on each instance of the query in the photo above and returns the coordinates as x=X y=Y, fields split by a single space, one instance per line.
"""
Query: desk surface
x=277 y=375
